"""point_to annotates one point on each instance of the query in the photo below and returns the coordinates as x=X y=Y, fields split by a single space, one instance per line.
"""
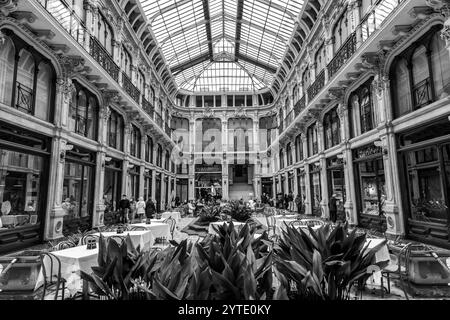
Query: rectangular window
x=218 y=101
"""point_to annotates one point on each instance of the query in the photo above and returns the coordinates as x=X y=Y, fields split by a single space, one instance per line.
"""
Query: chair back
x=85 y=239
x=137 y=228
x=52 y=270
x=172 y=224
x=297 y=224
x=118 y=239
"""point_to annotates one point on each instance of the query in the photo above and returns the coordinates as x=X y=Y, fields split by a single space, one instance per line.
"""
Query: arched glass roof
x=211 y=45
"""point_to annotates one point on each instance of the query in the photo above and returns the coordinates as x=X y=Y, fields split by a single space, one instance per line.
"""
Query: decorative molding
x=8 y=6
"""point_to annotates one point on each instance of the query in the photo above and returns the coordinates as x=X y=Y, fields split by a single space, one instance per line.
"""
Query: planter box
x=23 y=274
x=426 y=270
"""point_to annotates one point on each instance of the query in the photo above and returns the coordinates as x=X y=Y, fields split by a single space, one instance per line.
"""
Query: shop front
x=182 y=191
x=24 y=171
x=301 y=187
x=133 y=182
x=112 y=184
x=267 y=187
x=336 y=184
x=425 y=172
x=78 y=190
x=291 y=182
x=148 y=179
x=158 y=186
x=370 y=187
x=316 y=191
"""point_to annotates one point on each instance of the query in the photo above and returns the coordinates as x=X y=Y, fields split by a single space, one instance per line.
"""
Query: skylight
x=223 y=45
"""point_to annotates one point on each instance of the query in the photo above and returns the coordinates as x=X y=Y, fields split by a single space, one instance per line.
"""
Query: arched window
x=313 y=147
x=83 y=112
x=167 y=161
x=159 y=156
x=403 y=86
x=295 y=94
x=25 y=81
x=115 y=131
x=126 y=62
x=341 y=32
x=421 y=73
x=320 y=60
x=289 y=154
x=298 y=148
x=421 y=77
x=361 y=109
x=152 y=96
x=105 y=34
x=440 y=64
x=306 y=81
x=149 y=150
x=7 y=53
x=135 y=141
x=141 y=82
x=332 y=127
x=281 y=158
x=44 y=91
x=34 y=87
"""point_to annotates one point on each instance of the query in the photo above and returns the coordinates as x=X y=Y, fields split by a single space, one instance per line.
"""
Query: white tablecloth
x=144 y=239
x=157 y=229
x=174 y=214
x=383 y=253
x=72 y=261
x=237 y=226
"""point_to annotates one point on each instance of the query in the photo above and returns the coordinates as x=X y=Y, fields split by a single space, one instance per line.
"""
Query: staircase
x=240 y=190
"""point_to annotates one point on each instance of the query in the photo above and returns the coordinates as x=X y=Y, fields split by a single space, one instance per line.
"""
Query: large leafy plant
x=210 y=214
x=322 y=265
x=237 y=211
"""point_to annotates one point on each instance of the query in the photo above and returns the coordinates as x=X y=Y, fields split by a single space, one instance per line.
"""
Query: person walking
x=150 y=209
x=298 y=202
x=140 y=208
x=291 y=201
x=124 y=207
x=333 y=208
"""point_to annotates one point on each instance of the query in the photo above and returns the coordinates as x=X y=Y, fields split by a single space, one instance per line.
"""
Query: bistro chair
x=118 y=239
x=137 y=228
x=271 y=226
x=172 y=224
x=53 y=282
x=398 y=268
x=85 y=239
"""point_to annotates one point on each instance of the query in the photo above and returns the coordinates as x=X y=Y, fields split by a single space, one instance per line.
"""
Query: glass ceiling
x=223 y=45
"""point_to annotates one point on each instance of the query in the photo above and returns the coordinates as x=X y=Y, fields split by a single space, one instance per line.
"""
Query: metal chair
x=271 y=226
x=398 y=267
x=52 y=277
x=85 y=238
x=137 y=228
x=172 y=224
x=118 y=239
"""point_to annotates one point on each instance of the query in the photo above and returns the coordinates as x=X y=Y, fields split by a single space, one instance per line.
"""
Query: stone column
x=256 y=135
x=54 y=221
x=393 y=204
x=153 y=195
x=351 y=213
x=224 y=135
x=308 y=205
x=163 y=191
x=192 y=139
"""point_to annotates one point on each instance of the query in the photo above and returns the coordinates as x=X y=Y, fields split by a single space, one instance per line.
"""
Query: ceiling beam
x=240 y=10
x=190 y=63
x=208 y=28
x=256 y=63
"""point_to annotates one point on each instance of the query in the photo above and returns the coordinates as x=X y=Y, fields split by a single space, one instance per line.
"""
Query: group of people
x=130 y=210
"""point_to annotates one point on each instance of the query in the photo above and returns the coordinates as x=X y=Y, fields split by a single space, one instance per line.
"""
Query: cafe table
x=157 y=229
x=73 y=260
x=143 y=238
x=213 y=225
x=172 y=214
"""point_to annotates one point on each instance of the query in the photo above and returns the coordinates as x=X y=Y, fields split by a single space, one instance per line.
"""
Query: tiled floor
x=368 y=294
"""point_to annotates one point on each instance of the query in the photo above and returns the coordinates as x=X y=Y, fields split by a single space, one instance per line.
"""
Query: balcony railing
x=130 y=88
x=317 y=86
x=342 y=56
x=159 y=120
x=99 y=53
x=300 y=106
x=147 y=106
x=289 y=118
x=24 y=98
x=422 y=94
x=280 y=128
x=168 y=130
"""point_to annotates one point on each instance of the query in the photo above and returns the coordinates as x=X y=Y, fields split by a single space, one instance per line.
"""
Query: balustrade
x=300 y=106
x=317 y=86
x=130 y=88
x=24 y=98
x=159 y=120
x=147 y=106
